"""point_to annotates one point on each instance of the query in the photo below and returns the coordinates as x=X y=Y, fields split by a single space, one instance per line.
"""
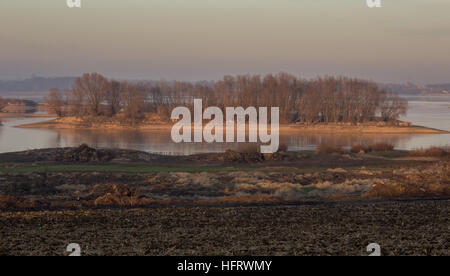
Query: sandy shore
x=69 y=123
x=368 y=129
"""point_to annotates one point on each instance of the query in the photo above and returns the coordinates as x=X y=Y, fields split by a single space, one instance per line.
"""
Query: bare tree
x=393 y=106
x=133 y=101
x=113 y=98
x=55 y=101
x=323 y=99
x=77 y=103
x=93 y=87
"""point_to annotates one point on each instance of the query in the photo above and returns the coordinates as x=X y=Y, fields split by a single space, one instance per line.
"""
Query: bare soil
x=400 y=228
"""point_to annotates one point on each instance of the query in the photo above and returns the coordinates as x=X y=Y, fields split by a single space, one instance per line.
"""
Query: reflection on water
x=14 y=139
x=159 y=141
x=422 y=112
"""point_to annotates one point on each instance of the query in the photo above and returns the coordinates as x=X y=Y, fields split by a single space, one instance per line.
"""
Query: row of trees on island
x=319 y=100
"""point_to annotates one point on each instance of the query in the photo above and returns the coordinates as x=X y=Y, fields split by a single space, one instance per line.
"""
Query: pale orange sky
x=405 y=40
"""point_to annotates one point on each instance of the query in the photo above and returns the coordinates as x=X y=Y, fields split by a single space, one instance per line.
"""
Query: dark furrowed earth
x=399 y=227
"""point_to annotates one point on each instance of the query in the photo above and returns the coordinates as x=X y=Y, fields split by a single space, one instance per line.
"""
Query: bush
x=359 y=148
x=381 y=147
x=329 y=149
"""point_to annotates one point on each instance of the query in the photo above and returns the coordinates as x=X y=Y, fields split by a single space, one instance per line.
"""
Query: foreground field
x=400 y=228
x=121 y=202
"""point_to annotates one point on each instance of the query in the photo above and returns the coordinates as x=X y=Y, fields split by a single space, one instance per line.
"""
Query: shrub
x=359 y=148
x=381 y=147
x=324 y=148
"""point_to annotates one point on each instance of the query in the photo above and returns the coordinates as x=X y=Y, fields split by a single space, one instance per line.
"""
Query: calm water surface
x=427 y=111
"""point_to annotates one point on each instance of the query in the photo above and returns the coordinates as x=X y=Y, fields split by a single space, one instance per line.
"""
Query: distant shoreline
x=68 y=123
x=26 y=115
x=365 y=129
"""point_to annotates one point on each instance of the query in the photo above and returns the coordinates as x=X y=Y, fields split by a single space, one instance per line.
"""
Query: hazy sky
x=405 y=40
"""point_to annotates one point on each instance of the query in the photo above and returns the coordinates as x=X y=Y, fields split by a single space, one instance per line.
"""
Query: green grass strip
x=115 y=168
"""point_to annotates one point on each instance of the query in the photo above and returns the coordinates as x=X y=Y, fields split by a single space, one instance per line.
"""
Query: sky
x=404 y=40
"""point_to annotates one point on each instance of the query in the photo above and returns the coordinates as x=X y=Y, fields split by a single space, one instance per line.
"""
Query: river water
x=426 y=111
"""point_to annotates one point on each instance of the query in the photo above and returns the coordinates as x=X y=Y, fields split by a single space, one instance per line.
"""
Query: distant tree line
x=319 y=100
x=15 y=101
x=36 y=84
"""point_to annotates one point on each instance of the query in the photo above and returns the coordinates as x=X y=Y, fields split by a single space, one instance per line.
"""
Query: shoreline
x=369 y=129
x=320 y=128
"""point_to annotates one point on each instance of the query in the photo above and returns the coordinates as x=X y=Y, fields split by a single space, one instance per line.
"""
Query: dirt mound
x=85 y=154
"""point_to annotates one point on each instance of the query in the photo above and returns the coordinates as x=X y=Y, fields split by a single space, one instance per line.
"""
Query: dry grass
x=10 y=202
x=431 y=152
x=7 y=202
x=432 y=181
x=116 y=195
